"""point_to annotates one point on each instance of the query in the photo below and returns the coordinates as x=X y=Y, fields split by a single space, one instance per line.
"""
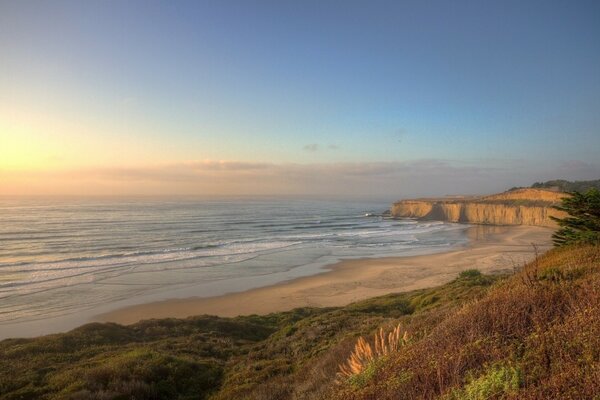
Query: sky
x=325 y=98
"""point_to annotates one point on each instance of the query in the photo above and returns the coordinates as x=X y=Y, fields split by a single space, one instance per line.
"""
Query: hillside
x=527 y=195
x=539 y=329
x=533 y=336
x=514 y=207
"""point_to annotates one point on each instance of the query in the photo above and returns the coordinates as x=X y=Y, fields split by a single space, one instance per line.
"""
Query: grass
x=365 y=356
x=535 y=334
x=280 y=355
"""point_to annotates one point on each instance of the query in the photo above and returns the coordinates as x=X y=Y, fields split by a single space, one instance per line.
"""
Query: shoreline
x=490 y=249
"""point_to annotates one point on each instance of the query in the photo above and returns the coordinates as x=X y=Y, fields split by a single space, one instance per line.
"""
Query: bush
x=526 y=338
x=470 y=273
x=140 y=374
x=493 y=383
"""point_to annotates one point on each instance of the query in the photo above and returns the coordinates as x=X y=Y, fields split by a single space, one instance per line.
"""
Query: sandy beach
x=490 y=249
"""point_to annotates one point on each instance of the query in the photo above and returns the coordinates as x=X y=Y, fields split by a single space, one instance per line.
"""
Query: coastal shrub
x=470 y=273
x=287 y=355
x=567 y=186
x=540 y=341
x=361 y=378
x=495 y=382
x=313 y=347
x=140 y=374
x=392 y=305
x=474 y=277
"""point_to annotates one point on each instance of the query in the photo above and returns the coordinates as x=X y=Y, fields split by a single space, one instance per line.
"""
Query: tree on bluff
x=582 y=224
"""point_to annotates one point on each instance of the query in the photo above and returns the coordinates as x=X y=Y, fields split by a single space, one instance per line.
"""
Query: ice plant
x=364 y=354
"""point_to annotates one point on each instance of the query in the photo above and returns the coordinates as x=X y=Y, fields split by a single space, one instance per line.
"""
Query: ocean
x=64 y=260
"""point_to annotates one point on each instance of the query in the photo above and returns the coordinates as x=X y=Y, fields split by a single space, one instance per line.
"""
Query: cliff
x=515 y=207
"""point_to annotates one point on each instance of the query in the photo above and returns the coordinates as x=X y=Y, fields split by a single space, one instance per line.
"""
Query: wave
x=326 y=231
x=144 y=257
x=75 y=256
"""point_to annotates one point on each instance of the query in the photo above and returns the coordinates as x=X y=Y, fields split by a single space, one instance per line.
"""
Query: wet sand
x=490 y=249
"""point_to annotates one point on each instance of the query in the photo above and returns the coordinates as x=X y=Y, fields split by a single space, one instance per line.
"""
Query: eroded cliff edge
x=515 y=207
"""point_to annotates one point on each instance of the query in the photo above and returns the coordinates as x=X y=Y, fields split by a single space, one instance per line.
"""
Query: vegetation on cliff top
x=563 y=185
x=568 y=186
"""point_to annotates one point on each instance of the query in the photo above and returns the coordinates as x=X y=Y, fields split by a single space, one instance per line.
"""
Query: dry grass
x=364 y=354
x=543 y=323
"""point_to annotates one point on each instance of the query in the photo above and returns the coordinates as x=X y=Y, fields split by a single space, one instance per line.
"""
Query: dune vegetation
x=293 y=354
x=534 y=334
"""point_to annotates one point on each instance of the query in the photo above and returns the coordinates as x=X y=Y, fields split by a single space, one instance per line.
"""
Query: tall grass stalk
x=364 y=354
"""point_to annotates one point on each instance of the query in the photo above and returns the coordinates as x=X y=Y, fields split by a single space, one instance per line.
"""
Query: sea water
x=66 y=259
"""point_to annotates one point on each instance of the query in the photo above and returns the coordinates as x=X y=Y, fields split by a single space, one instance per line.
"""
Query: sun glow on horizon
x=119 y=98
x=21 y=148
x=31 y=141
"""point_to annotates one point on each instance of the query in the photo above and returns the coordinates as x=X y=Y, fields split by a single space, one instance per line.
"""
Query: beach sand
x=490 y=249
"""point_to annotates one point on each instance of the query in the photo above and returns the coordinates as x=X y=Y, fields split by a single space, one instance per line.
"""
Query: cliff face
x=527 y=207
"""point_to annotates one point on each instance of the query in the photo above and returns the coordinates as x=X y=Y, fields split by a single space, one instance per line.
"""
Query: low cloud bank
x=391 y=180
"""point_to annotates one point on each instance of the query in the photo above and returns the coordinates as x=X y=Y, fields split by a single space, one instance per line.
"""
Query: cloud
x=401 y=134
x=387 y=180
x=227 y=165
x=313 y=147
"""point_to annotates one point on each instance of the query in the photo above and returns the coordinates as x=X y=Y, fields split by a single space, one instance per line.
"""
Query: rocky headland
x=514 y=207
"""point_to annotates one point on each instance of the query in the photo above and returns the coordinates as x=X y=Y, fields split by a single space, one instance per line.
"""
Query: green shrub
x=494 y=382
x=361 y=379
x=141 y=374
x=469 y=274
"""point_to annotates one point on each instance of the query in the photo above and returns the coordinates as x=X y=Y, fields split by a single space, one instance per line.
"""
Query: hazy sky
x=393 y=99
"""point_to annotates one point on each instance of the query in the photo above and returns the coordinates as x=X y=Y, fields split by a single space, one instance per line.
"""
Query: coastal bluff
x=514 y=207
